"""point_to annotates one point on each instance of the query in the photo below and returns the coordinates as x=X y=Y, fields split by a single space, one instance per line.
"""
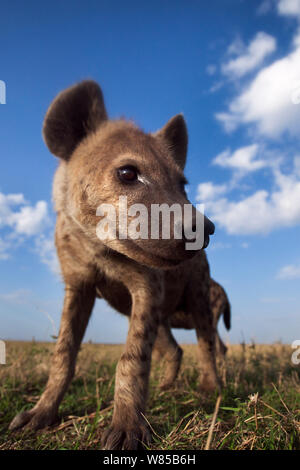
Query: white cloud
x=7 y=202
x=290 y=271
x=46 y=249
x=216 y=86
x=267 y=102
x=30 y=220
x=18 y=221
x=284 y=7
x=237 y=47
x=20 y=217
x=249 y=58
x=289 y=7
x=243 y=159
x=263 y=211
x=209 y=191
x=228 y=120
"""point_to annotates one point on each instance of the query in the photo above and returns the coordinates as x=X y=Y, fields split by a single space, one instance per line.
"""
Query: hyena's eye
x=128 y=174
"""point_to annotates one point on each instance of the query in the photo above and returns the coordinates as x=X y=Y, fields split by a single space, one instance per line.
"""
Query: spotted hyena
x=166 y=347
x=146 y=279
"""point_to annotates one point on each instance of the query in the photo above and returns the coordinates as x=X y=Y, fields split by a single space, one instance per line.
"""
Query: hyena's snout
x=209 y=229
x=196 y=230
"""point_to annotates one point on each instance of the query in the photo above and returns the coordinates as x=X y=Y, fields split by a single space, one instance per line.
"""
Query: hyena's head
x=111 y=165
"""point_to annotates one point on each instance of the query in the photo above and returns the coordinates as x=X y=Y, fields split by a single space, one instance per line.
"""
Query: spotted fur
x=147 y=280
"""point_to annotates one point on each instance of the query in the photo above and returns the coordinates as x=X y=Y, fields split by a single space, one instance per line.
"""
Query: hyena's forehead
x=151 y=168
x=119 y=144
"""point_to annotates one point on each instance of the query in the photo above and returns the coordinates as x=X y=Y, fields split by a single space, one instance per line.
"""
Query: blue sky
x=233 y=68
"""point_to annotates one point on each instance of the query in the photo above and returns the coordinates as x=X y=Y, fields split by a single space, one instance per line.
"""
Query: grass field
x=260 y=406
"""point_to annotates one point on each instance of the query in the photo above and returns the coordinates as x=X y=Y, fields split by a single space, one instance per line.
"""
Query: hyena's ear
x=73 y=114
x=175 y=135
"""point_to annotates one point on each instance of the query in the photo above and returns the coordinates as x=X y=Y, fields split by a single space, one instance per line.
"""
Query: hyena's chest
x=116 y=294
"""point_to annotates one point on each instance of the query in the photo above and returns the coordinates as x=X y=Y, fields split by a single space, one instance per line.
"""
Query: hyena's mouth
x=157 y=259
x=154 y=259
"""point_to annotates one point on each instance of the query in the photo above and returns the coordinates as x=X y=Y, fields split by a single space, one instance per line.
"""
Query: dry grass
x=260 y=406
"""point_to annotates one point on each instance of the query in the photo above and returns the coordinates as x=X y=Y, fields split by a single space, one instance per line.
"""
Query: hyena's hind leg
x=167 y=349
x=221 y=348
x=198 y=305
x=220 y=306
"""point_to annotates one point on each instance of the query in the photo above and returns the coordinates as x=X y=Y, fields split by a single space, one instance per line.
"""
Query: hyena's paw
x=171 y=372
x=118 y=437
x=166 y=384
x=33 y=419
x=209 y=384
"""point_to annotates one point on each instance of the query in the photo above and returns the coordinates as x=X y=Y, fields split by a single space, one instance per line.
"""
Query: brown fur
x=146 y=279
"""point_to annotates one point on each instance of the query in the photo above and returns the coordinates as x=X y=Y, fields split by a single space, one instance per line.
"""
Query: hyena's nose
x=209 y=229
x=191 y=233
x=197 y=229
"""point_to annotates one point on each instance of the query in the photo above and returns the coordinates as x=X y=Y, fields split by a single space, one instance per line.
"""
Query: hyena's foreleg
x=78 y=304
x=198 y=305
x=129 y=428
